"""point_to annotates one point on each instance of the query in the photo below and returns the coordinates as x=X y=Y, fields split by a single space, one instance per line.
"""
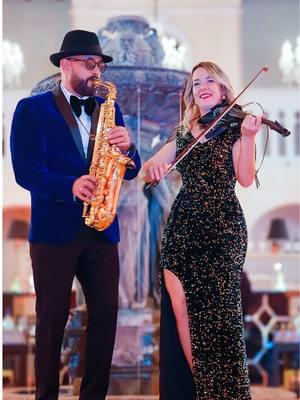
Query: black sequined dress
x=204 y=245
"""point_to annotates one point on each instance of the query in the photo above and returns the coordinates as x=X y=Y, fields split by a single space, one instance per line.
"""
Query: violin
x=234 y=117
x=230 y=114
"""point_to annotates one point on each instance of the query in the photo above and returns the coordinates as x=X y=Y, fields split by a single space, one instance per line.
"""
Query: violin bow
x=202 y=137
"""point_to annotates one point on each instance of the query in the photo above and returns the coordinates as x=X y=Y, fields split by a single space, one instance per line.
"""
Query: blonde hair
x=192 y=111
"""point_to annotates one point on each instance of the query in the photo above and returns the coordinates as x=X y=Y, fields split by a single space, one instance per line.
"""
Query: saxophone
x=108 y=166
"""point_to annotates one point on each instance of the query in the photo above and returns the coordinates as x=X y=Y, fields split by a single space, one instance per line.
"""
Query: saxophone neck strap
x=67 y=113
x=95 y=118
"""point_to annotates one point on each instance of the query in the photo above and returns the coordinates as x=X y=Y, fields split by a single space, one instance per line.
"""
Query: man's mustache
x=92 y=78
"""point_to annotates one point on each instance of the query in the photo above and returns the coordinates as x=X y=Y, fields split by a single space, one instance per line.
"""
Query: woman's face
x=207 y=91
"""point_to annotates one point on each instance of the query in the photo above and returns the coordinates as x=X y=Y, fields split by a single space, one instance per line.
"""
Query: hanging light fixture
x=13 y=64
x=175 y=52
x=277 y=233
x=289 y=62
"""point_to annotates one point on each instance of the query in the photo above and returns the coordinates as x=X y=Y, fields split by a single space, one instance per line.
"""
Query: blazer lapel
x=66 y=111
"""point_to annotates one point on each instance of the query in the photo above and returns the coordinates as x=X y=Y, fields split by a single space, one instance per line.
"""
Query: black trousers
x=96 y=265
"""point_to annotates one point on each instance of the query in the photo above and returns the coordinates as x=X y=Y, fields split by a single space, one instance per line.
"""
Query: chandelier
x=289 y=62
x=13 y=64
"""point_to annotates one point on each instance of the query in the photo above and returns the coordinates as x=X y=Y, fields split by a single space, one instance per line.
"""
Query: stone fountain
x=150 y=98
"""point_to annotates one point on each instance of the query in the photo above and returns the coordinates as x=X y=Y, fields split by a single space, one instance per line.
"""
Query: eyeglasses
x=90 y=63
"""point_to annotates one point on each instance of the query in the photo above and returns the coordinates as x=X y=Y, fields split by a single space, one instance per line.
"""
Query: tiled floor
x=258 y=393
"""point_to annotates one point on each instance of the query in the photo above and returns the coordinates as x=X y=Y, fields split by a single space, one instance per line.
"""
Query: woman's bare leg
x=177 y=295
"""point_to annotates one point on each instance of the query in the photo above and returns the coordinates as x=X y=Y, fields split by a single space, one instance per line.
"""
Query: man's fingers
x=88 y=178
x=82 y=197
x=121 y=144
x=84 y=187
x=86 y=192
x=89 y=185
x=117 y=135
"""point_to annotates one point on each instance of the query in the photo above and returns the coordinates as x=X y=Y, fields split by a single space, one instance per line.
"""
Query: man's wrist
x=131 y=150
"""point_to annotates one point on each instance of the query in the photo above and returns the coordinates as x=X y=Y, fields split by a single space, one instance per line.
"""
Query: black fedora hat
x=79 y=42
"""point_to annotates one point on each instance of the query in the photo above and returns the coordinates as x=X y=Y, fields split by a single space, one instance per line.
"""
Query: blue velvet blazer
x=47 y=159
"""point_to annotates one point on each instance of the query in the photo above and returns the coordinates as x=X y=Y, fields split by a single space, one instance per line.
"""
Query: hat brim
x=56 y=57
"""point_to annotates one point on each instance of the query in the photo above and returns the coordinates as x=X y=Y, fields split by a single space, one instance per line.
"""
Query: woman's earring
x=223 y=97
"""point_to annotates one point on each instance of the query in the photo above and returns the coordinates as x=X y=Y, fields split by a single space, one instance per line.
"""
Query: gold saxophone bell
x=108 y=165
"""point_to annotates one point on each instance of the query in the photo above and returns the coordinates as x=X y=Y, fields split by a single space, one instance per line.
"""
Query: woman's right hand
x=155 y=172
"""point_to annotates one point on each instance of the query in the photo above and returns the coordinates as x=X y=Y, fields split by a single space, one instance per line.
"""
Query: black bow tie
x=89 y=105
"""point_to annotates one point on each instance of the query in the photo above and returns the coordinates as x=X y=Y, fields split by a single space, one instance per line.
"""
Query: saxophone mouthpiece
x=96 y=83
x=95 y=80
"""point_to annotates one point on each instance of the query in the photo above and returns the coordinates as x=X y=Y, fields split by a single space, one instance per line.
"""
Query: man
x=51 y=152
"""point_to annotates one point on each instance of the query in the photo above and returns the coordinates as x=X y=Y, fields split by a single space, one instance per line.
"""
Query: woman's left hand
x=250 y=126
x=119 y=136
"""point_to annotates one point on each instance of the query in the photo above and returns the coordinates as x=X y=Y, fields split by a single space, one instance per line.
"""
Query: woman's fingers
x=250 y=125
x=156 y=173
x=160 y=171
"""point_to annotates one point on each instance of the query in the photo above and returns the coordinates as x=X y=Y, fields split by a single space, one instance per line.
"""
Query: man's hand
x=83 y=188
x=119 y=136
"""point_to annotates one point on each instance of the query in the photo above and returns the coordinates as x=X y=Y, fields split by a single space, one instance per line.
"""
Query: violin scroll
x=276 y=126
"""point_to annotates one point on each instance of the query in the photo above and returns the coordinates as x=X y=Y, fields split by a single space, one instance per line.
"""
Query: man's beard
x=81 y=86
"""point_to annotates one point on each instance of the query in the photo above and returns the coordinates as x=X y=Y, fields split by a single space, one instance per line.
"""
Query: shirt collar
x=68 y=94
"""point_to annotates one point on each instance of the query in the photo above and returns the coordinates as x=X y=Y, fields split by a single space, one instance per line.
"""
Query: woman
x=203 y=251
